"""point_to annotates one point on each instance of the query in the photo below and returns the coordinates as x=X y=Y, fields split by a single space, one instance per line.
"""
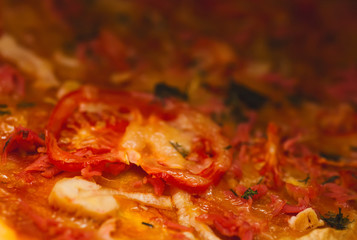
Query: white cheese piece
x=187 y=214
x=305 y=220
x=28 y=62
x=149 y=199
x=157 y=139
x=83 y=197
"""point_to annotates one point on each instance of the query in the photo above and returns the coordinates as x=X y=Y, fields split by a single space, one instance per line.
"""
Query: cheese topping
x=156 y=139
x=305 y=220
x=82 y=197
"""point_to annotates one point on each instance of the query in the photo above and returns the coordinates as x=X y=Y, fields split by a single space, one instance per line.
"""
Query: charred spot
x=163 y=90
x=238 y=93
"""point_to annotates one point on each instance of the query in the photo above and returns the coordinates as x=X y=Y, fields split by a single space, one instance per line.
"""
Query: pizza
x=183 y=120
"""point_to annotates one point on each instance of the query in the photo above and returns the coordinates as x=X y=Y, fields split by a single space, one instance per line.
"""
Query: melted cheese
x=83 y=197
x=155 y=139
x=28 y=62
x=305 y=220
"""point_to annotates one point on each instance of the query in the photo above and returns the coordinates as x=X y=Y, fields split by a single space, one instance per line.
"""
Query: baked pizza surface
x=178 y=120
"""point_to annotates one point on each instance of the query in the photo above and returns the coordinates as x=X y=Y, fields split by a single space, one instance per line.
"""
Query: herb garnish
x=238 y=93
x=305 y=180
x=331 y=179
x=163 y=90
x=179 y=148
x=353 y=148
x=228 y=147
x=330 y=156
x=147 y=224
x=336 y=221
x=25 y=104
x=6 y=143
x=4 y=112
x=249 y=193
x=260 y=180
x=235 y=194
x=2 y=105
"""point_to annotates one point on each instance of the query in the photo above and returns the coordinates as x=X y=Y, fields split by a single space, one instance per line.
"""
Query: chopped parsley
x=25 y=104
x=147 y=224
x=336 y=221
x=25 y=134
x=331 y=179
x=260 y=180
x=6 y=143
x=228 y=147
x=353 y=148
x=4 y=112
x=235 y=194
x=330 y=156
x=305 y=180
x=249 y=193
x=179 y=149
x=3 y=105
x=163 y=90
x=240 y=94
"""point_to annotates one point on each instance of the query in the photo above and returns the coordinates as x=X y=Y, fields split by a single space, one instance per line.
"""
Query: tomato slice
x=166 y=138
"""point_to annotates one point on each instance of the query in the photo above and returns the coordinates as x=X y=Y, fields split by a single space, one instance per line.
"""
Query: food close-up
x=156 y=119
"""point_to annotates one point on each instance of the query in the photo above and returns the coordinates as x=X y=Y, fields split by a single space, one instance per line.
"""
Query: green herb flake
x=3 y=105
x=147 y=224
x=353 y=148
x=241 y=94
x=4 y=112
x=305 y=180
x=163 y=90
x=249 y=193
x=336 y=221
x=179 y=149
x=260 y=180
x=6 y=143
x=228 y=147
x=235 y=194
x=25 y=105
x=330 y=156
x=331 y=179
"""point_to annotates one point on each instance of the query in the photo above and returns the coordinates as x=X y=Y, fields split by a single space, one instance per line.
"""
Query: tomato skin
x=23 y=138
x=211 y=147
x=67 y=161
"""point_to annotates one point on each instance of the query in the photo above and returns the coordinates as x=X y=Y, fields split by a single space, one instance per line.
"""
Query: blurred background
x=304 y=48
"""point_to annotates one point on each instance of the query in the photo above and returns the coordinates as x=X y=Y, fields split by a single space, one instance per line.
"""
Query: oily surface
x=242 y=114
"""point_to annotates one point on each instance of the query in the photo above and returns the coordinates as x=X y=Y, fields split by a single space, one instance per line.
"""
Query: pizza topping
x=164 y=91
x=153 y=137
x=249 y=193
x=28 y=62
x=147 y=224
x=337 y=221
x=303 y=203
x=305 y=180
x=83 y=198
x=331 y=179
x=238 y=93
x=187 y=215
x=305 y=220
x=179 y=148
x=149 y=199
x=11 y=81
x=330 y=156
x=341 y=194
x=22 y=138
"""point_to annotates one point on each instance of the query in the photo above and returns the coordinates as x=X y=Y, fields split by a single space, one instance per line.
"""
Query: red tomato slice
x=93 y=127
